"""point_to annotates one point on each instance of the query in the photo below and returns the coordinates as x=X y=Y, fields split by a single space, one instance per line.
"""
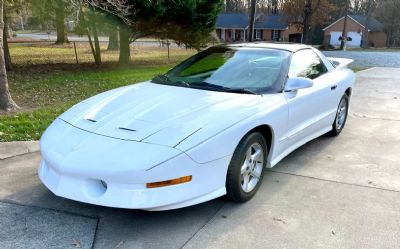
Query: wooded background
x=187 y=23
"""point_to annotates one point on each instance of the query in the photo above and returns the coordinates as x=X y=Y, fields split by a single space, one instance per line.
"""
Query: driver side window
x=306 y=63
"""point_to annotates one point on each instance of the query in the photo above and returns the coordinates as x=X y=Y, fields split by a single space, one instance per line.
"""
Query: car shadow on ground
x=133 y=228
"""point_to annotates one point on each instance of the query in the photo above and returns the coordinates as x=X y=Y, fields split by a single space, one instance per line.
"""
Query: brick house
x=231 y=27
x=355 y=27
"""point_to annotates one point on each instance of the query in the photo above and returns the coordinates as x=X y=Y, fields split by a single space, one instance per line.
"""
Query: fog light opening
x=95 y=187
x=104 y=184
x=175 y=181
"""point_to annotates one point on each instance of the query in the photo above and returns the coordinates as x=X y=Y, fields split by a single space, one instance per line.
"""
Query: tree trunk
x=95 y=49
x=97 y=57
x=252 y=17
x=7 y=56
x=6 y=102
x=124 y=49
x=365 y=42
x=113 y=40
x=21 y=18
x=91 y=44
x=306 y=21
x=344 y=31
x=60 y=25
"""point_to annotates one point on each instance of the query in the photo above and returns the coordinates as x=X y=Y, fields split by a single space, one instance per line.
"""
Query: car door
x=309 y=109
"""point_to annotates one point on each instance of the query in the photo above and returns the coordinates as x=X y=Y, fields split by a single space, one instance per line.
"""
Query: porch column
x=223 y=34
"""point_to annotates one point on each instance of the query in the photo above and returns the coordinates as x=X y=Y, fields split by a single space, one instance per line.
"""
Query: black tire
x=335 y=129
x=234 y=177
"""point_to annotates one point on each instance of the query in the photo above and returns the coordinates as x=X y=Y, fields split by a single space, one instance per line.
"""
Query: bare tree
x=6 y=102
x=365 y=42
x=387 y=12
x=269 y=6
x=307 y=14
x=235 y=6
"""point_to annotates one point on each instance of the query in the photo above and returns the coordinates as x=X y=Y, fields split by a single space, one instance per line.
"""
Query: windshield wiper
x=206 y=84
x=161 y=78
x=222 y=88
x=164 y=79
x=240 y=90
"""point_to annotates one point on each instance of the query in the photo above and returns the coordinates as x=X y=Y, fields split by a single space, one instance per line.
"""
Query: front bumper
x=109 y=172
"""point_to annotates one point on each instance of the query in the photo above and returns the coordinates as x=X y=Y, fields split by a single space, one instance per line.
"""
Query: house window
x=219 y=33
x=276 y=34
x=258 y=34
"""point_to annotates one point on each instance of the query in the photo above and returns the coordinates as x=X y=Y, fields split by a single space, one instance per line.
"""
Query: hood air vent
x=126 y=129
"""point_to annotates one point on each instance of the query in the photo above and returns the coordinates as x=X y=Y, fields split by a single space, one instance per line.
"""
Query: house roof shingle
x=374 y=25
x=241 y=20
x=232 y=20
x=272 y=22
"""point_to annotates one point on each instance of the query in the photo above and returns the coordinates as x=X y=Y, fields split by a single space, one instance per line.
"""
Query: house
x=355 y=27
x=232 y=27
x=276 y=28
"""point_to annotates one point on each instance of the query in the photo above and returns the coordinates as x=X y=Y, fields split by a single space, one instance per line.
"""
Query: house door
x=295 y=37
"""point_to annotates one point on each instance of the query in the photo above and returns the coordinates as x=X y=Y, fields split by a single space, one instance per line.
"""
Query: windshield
x=227 y=68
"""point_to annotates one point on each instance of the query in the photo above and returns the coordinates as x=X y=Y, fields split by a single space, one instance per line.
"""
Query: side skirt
x=289 y=150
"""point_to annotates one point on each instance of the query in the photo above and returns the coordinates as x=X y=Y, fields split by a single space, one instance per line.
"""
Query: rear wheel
x=245 y=172
x=341 y=116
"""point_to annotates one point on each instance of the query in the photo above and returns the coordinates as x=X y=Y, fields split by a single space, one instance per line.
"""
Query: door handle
x=333 y=87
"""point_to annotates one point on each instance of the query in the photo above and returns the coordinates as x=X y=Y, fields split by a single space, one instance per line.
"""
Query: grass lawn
x=45 y=88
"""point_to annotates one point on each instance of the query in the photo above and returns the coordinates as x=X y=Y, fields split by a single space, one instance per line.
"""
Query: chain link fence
x=25 y=53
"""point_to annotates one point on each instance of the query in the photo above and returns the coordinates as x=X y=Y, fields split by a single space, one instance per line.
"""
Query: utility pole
x=306 y=22
x=252 y=19
x=344 y=32
x=367 y=22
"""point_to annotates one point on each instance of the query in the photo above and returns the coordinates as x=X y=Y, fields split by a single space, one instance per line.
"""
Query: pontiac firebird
x=207 y=128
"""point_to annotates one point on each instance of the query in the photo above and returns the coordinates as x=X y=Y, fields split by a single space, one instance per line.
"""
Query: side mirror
x=296 y=83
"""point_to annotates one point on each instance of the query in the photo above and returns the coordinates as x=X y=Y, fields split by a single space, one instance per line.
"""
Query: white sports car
x=206 y=128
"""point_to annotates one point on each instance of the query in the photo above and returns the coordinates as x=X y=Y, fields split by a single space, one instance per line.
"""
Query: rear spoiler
x=340 y=62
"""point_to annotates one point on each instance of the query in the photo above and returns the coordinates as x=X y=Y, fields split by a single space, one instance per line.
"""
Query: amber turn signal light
x=175 y=181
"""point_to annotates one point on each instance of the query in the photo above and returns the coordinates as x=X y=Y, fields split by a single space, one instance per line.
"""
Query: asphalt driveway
x=341 y=192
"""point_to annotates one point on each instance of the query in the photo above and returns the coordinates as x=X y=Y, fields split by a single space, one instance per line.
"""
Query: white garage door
x=335 y=39
x=356 y=39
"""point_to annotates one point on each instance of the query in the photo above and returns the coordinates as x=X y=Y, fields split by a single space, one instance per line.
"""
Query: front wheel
x=341 y=116
x=246 y=169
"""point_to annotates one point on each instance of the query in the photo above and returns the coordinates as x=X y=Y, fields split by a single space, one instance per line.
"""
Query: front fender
x=224 y=143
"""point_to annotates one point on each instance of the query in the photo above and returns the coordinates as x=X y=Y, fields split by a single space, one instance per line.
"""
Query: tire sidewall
x=345 y=98
x=234 y=188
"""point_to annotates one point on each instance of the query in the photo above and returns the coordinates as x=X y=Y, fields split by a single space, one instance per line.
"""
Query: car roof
x=292 y=47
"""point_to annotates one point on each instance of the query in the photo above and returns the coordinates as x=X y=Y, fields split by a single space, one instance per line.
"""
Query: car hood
x=158 y=114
